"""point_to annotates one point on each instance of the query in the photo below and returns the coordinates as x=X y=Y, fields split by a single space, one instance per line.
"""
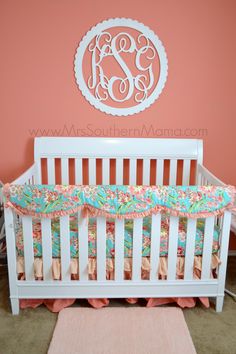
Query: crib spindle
x=173 y=172
x=146 y=172
x=64 y=171
x=11 y=260
x=155 y=245
x=172 y=247
x=137 y=248
x=159 y=171
x=207 y=247
x=65 y=247
x=133 y=172
x=186 y=172
x=47 y=248
x=224 y=244
x=78 y=171
x=105 y=171
x=38 y=176
x=119 y=249
x=190 y=249
x=83 y=247
x=119 y=171
x=51 y=170
x=28 y=247
x=101 y=248
x=92 y=171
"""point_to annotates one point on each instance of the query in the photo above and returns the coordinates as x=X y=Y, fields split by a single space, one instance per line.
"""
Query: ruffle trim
x=110 y=267
x=90 y=211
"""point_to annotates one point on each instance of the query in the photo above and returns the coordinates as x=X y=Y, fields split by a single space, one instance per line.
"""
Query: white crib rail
x=204 y=176
x=28 y=177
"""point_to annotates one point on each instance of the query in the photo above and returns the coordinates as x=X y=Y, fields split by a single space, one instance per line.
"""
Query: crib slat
x=51 y=170
x=137 y=248
x=83 y=247
x=186 y=172
x=132 y=171
x=155 y=245
x=11 y=259
x=146 y=171
x=78 y=171
x=92 y=171
x=207 y=247
x=38 y=177
x=119 y=171
x=65 y=247
x=28 y=247
x=105 y=171
x=190 y=249
x=47 y=248
x=159 y=172
x=119 y=249
x=172 y=248
x=224 y=244
x=64 y=171
x=101 y=248
x=173 y=172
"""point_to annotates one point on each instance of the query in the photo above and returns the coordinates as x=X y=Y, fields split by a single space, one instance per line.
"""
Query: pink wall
x=37 y=87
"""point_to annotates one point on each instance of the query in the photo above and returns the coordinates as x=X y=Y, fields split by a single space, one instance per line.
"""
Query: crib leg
x=219 y=303
x=15 y=306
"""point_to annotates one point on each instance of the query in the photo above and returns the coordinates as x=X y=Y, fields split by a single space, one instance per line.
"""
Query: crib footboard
x=118 y=287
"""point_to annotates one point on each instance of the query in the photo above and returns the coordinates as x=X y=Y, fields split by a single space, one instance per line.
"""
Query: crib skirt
x=55 y=305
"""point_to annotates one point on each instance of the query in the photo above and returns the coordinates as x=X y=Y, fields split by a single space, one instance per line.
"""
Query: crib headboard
x=158 y=161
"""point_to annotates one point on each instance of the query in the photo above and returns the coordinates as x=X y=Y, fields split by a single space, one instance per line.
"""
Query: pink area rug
x=121 y=330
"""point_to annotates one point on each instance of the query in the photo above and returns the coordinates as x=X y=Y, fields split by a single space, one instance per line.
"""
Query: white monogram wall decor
x=121 y=66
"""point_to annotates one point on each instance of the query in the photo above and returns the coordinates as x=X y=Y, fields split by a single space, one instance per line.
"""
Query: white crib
x=154 y=153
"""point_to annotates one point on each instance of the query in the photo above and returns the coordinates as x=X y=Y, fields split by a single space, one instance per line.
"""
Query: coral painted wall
x=38 y=90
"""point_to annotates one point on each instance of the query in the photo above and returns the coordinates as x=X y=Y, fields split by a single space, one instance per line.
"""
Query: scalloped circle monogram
x=121 y=66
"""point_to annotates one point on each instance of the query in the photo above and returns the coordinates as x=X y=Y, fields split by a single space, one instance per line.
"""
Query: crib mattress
x=110 y=238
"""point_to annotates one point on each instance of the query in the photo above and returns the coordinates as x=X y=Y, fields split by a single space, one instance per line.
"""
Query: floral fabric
x=119 y=201
x=110 y=240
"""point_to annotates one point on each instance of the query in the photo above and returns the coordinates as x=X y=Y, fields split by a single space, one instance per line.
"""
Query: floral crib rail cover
x=119 y=201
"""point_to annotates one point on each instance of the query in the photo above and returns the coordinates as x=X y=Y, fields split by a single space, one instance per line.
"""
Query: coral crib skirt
x=55 y=305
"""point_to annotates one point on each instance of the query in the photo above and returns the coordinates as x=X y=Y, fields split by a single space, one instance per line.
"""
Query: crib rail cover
x=119 y=201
